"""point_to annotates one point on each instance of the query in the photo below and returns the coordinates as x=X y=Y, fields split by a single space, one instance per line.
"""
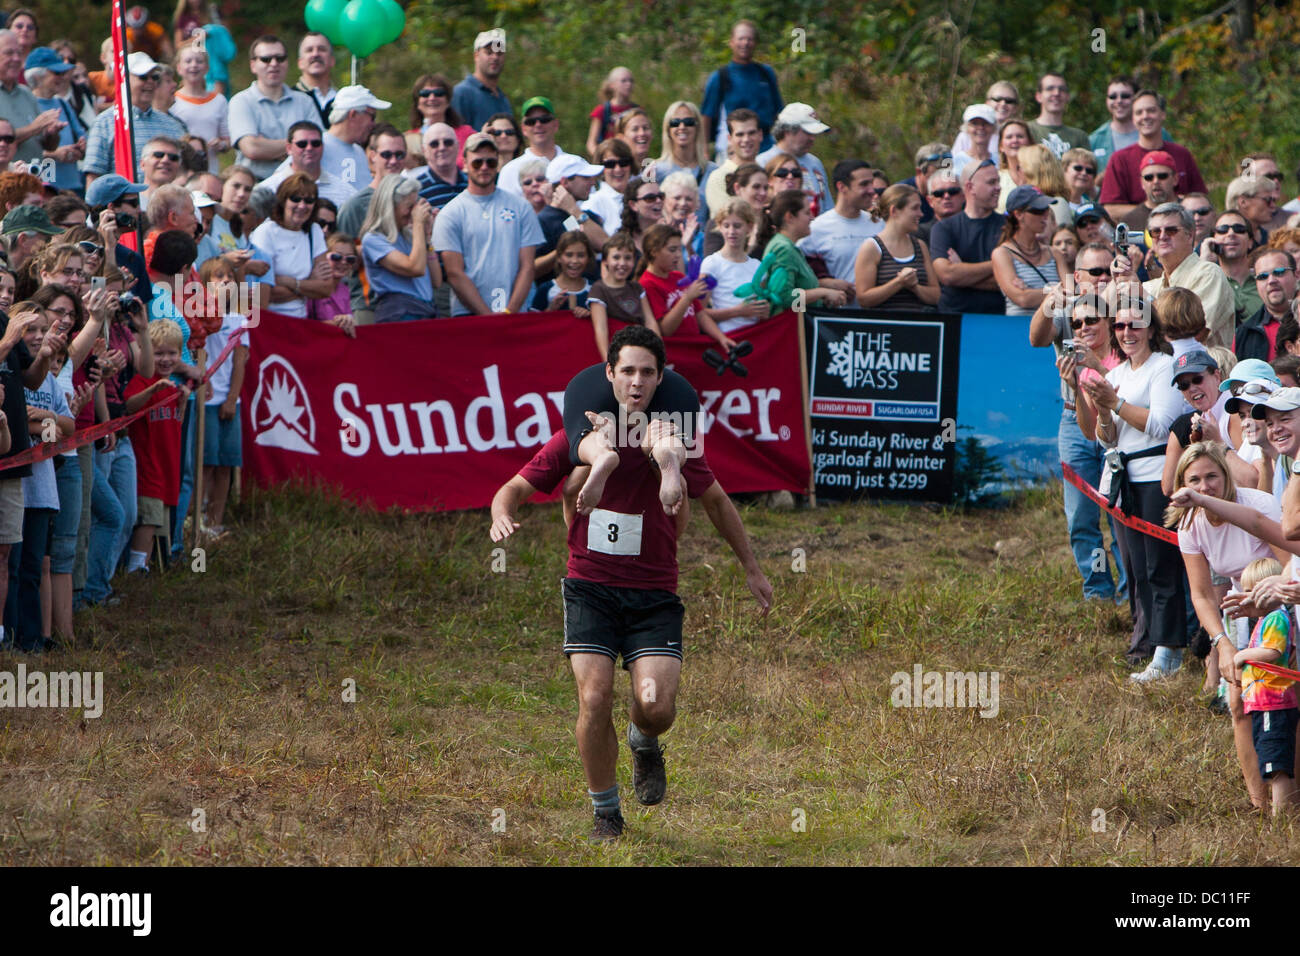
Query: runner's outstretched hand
x=760 y=588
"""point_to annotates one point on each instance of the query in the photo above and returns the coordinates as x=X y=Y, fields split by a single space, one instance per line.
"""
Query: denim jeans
x=112 y=516
x=37 y=523
x=63 y=536
x=189 y=435
x=1083 y=517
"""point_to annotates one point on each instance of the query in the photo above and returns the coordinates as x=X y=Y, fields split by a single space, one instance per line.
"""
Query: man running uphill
x=620 y=589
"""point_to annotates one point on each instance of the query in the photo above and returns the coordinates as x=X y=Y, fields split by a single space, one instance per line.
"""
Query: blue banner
x=1009 y=396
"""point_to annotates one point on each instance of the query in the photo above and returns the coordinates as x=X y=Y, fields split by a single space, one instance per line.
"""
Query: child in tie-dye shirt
x=1269 y=699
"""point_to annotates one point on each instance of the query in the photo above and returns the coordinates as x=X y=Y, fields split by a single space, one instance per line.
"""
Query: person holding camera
x=1078 y=328
x=115 y=210
x=113 y=493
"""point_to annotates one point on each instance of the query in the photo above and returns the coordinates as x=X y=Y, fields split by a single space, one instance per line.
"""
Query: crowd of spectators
x=330 y=204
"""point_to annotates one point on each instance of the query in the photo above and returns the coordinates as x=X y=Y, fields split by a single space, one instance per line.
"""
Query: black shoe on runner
x=604 y=829
x=648 y=776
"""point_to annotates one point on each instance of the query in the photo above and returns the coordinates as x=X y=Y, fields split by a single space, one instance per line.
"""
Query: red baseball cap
x=1157 y=157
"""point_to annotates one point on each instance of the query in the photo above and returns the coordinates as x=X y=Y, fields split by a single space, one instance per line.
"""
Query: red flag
x=123 y=127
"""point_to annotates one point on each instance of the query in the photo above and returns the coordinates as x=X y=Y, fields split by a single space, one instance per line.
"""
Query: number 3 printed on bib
x=612 y=533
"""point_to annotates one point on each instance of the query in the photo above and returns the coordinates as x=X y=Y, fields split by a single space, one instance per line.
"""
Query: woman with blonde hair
x=1080 y=168
x=893 y=268
x=1222 y=528
x=684 y=149
x=398 y=254
x=1040 y=168
x=1012 y=135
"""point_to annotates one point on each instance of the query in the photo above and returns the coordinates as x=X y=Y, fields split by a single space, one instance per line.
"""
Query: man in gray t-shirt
x=487 y=238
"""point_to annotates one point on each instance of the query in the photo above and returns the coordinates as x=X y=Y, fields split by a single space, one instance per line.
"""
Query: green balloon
x=322 y=16
x=363 y=25
x=396 y=18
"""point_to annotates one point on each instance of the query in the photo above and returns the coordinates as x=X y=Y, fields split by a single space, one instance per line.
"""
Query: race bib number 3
x=612 y=533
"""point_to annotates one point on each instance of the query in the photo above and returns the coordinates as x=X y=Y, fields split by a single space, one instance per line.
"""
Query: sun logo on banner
x=281 y=413
x=841 y=359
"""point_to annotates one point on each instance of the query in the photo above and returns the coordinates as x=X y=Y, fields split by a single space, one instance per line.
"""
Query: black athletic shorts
x=1274 y=735
x=591 y=391
x=635 y=623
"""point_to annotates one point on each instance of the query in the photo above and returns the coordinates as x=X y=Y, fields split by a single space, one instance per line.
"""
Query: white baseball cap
x=567 y=164
x=980 y=111
x=140 y=63
x=1282 y=400
x=358 y=98
x=803 y=116
x=489 y=37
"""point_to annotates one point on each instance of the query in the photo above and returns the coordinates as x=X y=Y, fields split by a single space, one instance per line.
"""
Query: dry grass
x=223 y=692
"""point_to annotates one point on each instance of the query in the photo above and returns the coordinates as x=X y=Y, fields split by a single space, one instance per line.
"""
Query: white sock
x=137 y=560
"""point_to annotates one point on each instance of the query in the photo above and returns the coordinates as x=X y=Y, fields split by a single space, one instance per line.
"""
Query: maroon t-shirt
x=1123 y=182
x=628 y=541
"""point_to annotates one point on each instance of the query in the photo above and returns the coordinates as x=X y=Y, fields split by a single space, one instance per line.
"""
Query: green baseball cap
x=28 y=219
x=541 y=101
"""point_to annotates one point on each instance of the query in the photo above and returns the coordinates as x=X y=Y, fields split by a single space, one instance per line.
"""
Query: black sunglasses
x=307 y=144
x=1228 y=227
x=945 y=193
x=786 y=172
x=1080 y=168
x=159 y=154
x=8 y=138
x=440 y=142
x=502 y=132
x=327 y=225
x=490 y=162
x=1096 y=271
x=340 y=257
x=393 y=154
x=1148 y=177
x=273 y=58
x=1201 y=212
x=1077 y=324
x=90 y=248
x=681 y=121
x=534 y=120
x=1011 y=100
x=302 y=200
x=616 y=163
x=433 y=91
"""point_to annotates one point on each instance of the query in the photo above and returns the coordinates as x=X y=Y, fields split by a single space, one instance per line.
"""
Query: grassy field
x=224 y=693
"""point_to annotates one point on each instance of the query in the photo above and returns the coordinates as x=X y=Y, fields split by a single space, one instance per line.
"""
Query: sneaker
x=648 y=776
x=1152 y=673
x=604 y=829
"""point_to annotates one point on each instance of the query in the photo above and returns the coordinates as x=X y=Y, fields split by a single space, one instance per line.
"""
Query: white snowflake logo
x=507 y=215
x=841 y=359
x=281 y=411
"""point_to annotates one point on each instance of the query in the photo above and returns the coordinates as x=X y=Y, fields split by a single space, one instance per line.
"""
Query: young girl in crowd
x=661 y=268
x=569 y=289
x=222 y=452
x=205 y=113
x=616 y=92
x=1269 y=700
x=733 y=266
x=614 y=297
x=337 y=308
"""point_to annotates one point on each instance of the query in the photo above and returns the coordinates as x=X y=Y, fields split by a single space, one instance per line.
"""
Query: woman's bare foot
x=669 y=454
x=594 y=486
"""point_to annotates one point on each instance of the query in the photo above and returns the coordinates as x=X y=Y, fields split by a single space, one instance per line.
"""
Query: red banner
x=123 y=121
x=438 y=414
